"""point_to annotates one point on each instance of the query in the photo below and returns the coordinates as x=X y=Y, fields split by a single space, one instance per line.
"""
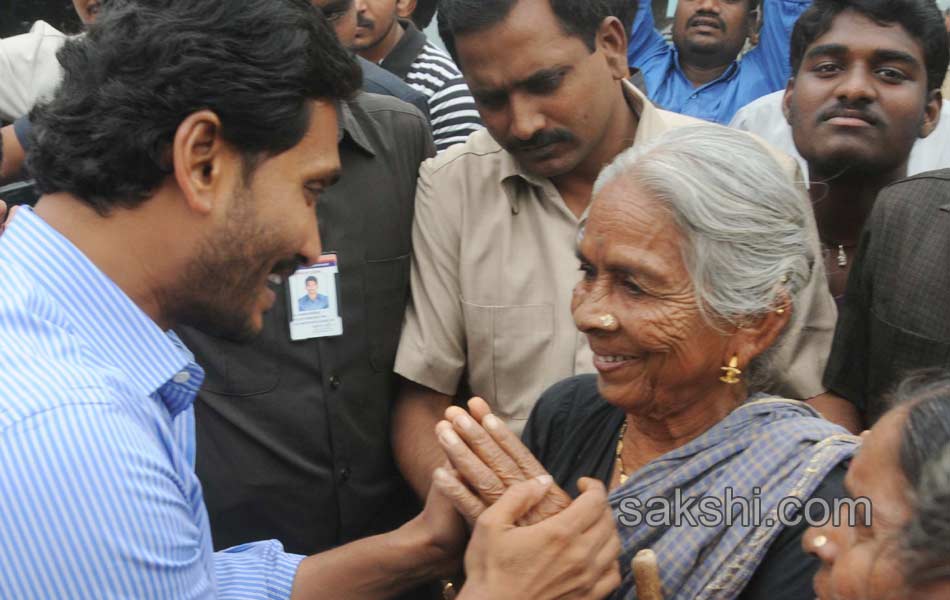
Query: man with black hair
x=386 y=36
x=494 y=259
x=234 y=112
x=341 y=14
x=700 y=73
x=264 y=399
x=865 y=91
x=866 y=87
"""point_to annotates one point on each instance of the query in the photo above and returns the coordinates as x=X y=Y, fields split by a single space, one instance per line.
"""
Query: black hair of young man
x=106 y=135
x=577 y=17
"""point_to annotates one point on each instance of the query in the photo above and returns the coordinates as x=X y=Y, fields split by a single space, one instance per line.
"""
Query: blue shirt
x=305 y=303
x=99 y=497
x=764 y=69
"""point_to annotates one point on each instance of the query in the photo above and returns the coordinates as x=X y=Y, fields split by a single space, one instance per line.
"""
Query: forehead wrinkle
x=649 y=254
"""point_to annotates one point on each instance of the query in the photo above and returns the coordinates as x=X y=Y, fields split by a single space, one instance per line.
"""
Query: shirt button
x=344 y=474
x=182 y=377
x=335 y=382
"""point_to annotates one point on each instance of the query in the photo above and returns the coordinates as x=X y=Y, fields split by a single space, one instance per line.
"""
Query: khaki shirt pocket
x=508 y=355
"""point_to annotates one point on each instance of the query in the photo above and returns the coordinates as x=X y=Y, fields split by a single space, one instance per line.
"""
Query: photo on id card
x=314 y=302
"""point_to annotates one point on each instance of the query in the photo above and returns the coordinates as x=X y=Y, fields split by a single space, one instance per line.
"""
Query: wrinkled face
x=268 y=227
x=859 y=100
x=542 y=94
x=312 y=288
x=341 y=14
x=863 y=563
x=87 y=10
x=663 y=353
x=375 y=19
x=713 y=29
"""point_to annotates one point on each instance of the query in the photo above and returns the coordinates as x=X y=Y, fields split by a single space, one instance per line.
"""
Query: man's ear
x=405 y=8
x=612 y=39
x=787 y=100
x=755 y=26
x=931 y=113
x=199 y=156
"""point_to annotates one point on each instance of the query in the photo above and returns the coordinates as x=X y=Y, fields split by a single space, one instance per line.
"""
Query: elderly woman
x=691 y=258
x=902 y=550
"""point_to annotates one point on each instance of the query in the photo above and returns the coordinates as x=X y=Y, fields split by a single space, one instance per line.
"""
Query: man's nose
x=526 y=119
x=857 y=85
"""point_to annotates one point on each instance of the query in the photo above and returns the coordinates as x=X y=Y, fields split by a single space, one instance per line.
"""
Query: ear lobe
x=932 y=114
x=787 y=100
x=198 y=152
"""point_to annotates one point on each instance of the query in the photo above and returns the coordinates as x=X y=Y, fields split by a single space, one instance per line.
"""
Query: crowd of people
x=296 y=304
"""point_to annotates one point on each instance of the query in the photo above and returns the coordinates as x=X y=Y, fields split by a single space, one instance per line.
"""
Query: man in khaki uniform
x=496 y=220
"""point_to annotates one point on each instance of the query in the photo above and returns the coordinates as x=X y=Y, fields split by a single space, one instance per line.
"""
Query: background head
x=341 y=15
x=544 y=74
x=423 y=13
x=376 y=20
x=88 y=9
x=866 y=80
x=713 y=32
x=311 y=285
x=694 y=243
x=888 y=554
x=223 y=116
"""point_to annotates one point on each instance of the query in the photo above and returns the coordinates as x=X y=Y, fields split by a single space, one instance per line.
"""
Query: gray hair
x=927 y=535
x=745 y=222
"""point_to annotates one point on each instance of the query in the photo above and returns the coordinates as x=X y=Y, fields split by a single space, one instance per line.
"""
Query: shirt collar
x=115 y=329
x=407 y=49
x=352 y=129
x=650 y=124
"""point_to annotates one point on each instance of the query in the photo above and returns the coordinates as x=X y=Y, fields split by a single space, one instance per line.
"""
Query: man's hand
x=487 y=459
x=445 y=532
x=570 y=555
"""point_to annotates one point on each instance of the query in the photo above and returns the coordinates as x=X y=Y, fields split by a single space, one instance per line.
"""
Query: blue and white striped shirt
x=98 y=497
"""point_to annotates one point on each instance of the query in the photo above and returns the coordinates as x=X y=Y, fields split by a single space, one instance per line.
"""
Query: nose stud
x=608 y=321
x=819 y=542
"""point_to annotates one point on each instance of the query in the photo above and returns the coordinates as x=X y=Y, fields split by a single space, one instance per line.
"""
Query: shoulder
x=570 y=403
x=479 y=155
x=787 y=163
x=378 y=80
x=437 y=62
x=44 y=364
x=917 y=196
x=389 y=111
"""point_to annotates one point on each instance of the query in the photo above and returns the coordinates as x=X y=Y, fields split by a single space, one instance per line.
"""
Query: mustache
x=540 y=139
x=365 y=23
x=706 y=16
x=850 y=111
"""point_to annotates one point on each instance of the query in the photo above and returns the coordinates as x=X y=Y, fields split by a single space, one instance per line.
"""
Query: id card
x=314 y=304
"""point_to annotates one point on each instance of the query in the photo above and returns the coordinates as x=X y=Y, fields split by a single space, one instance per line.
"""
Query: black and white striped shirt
x=430 y=70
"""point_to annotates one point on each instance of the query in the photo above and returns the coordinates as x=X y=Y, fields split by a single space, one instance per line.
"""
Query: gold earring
x=732 y=372
x=780 y=311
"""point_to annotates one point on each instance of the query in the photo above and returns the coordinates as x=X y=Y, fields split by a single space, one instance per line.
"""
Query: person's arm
x=575 y=552
x=417 y=451
x=431 y=356
x=838 y=410
x=12 y=155
x=771 y=55
x=645 y=41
